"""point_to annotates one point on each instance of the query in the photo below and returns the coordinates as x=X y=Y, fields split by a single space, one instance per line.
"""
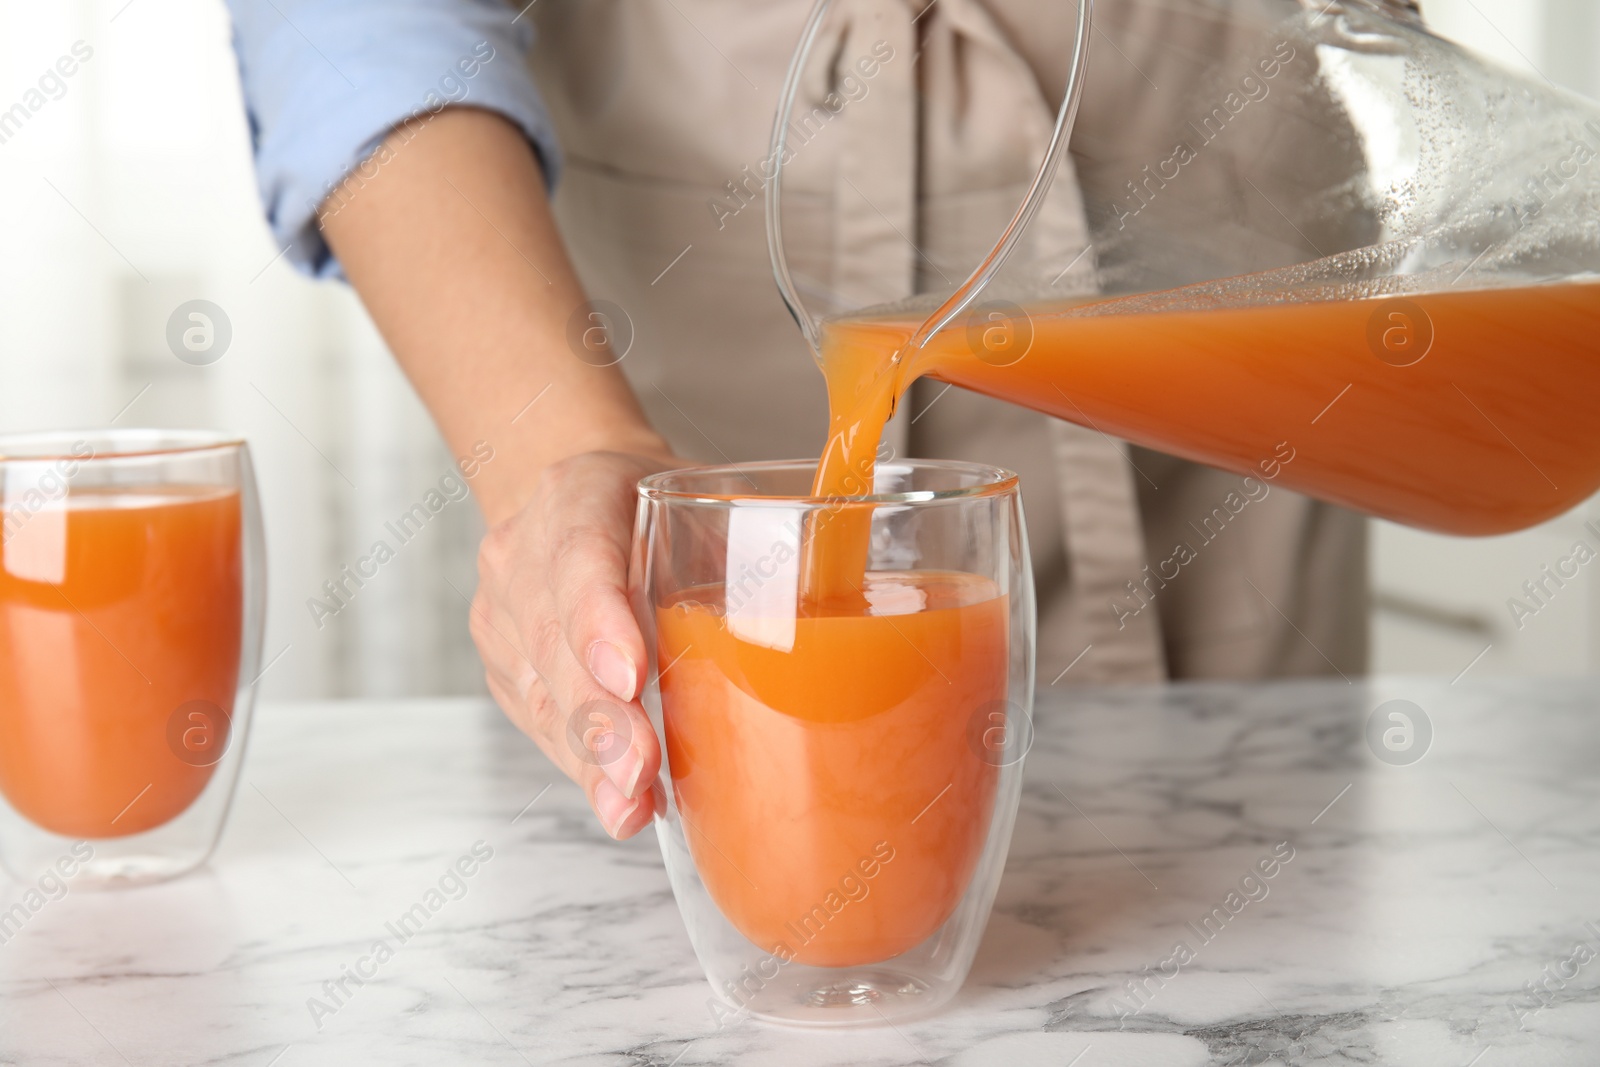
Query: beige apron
x=664 y=110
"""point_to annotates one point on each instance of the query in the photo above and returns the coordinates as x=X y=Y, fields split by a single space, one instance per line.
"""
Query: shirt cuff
x=325 y=82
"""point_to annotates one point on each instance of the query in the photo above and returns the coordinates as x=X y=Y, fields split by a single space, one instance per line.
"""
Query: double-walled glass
x=842 y=772
x=131 y=606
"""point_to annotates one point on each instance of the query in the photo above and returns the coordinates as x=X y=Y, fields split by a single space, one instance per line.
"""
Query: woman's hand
x=564 y=655
x=455 y=253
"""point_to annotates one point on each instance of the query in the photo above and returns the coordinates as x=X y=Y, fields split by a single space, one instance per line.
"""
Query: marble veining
x=1442 y=913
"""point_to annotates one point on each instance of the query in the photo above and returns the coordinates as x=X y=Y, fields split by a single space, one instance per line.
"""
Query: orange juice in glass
x=130 y=629
x=844 y=687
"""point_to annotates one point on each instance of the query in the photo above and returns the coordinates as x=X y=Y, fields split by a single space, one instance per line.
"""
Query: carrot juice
x=829 y=794
x=1465 y=412
x=832 y=801
x=118 y=607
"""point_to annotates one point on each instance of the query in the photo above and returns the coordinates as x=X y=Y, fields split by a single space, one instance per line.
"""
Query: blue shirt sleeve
x=326 y=80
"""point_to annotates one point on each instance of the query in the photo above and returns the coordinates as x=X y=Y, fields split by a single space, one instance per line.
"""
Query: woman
x=410 y=146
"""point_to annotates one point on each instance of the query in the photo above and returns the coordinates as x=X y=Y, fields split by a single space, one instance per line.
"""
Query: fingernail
x=616 y=825
x=527 y=678
x=608 y=800
x=625 y=769
x=613 y=669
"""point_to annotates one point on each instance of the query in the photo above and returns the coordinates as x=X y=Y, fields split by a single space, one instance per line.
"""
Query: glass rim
x=111 y=443
x=992 y=482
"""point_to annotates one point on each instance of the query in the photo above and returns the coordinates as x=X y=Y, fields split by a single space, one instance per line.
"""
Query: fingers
x=588 y=584
x=600 y=731
x=562 y=650
x=607 y=746
x=620 y=815
x=590 y=536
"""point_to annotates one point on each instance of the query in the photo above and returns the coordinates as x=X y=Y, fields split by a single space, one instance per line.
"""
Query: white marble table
x=1419 y=904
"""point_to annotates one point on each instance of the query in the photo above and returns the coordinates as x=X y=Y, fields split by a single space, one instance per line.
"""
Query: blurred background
x=130 y=193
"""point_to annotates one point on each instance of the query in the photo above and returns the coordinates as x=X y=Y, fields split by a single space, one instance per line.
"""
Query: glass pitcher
x=1302 y=240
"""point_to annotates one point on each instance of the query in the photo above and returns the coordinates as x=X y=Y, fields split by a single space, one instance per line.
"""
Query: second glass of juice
x=131 y=606
x=844 y=692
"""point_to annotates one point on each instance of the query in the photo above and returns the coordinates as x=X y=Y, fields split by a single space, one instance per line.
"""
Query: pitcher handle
x=985 y=271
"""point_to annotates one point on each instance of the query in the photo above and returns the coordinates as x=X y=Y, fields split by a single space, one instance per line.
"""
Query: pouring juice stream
x=1464 y=412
